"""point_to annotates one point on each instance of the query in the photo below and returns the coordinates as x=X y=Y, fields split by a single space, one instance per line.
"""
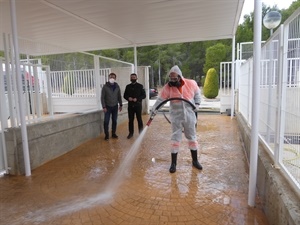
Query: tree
x=214 y=55
x=245 y=30
x=285 y=13
x=193 y=58
x=211 y=84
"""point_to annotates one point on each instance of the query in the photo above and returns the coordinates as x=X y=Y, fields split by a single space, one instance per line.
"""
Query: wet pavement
x=127 y=182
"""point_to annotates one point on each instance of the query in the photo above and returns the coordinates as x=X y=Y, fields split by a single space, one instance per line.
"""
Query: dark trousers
x=135 y=110
x=113 y=112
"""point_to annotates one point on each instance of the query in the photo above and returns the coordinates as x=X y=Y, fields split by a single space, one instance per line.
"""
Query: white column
x=97 y=81
x=49 y=92
x=255 y=102
x=9 y=83
x=19 y=88
x=37 y=92
x=232 y=78
x=3 y=108
x=3 y=119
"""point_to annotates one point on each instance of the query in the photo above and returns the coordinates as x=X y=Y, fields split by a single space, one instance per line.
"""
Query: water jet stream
x=125 y=166
x=115 y=181
x=105 y=197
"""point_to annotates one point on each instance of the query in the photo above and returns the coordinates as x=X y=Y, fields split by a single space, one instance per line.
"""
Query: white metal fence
x=225 y=78
x=34 y=86
x=73 y=83
x=279 y=116
x=76 y=90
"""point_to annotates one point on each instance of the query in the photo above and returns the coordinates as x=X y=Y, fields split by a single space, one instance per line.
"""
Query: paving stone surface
x=127 y=182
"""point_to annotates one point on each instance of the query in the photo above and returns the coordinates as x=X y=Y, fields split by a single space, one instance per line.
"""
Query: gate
x=225 y=86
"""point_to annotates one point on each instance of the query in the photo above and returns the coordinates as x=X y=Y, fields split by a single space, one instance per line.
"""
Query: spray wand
x=154 y=112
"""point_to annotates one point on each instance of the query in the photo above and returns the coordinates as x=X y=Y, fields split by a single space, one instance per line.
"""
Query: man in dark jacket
x=110 y=97
x=134 y=94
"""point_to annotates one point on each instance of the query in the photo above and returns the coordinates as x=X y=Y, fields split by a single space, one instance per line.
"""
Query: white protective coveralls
x=182 y=114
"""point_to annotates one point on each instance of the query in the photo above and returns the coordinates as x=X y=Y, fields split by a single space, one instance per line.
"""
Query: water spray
x=154 y=112
x=111 y=186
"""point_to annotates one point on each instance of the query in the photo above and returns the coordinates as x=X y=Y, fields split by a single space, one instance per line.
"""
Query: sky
x=249 y=6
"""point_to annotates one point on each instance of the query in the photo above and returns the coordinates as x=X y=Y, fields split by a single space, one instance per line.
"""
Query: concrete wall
x=281 y=202
x=50 y=139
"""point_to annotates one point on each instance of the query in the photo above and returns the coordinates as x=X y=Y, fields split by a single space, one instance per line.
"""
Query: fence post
x=255 y=103
x=281 y=93
x=49 y=91
x=97 y=81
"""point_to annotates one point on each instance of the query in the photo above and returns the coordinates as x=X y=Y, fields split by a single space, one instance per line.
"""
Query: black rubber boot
x=173 y=164
x=196 y=163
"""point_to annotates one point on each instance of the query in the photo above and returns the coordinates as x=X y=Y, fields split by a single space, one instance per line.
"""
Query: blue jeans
x=113 y=112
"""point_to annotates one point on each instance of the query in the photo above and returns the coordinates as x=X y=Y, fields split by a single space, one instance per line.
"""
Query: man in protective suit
x=182 y=114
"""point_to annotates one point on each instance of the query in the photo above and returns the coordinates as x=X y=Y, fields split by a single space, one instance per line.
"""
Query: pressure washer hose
x=153 y=114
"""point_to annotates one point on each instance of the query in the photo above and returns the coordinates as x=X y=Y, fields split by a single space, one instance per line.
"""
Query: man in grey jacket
x=110 y=97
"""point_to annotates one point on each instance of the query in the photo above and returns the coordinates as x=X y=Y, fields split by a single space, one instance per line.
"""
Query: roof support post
x=19 y=88
x=97 y=81
x=3 y=119
x=232 y=78
x=255 y=102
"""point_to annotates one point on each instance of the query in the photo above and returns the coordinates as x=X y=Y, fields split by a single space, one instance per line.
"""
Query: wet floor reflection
x=97 y=184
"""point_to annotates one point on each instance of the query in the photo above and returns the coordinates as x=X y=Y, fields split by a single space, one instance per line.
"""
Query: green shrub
x=211 y=84
x=68 y=86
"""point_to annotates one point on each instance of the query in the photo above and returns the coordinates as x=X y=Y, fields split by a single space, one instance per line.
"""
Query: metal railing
x=73 y=83
x=279 y=116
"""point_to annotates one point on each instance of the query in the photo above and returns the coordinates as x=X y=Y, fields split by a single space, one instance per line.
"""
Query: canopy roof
x=56 y=26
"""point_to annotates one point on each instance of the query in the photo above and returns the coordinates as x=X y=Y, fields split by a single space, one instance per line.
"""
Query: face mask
x=111 y=80
x=173 y=83
x=133 y=80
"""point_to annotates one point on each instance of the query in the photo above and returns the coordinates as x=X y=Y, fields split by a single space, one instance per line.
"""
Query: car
x=153 y=92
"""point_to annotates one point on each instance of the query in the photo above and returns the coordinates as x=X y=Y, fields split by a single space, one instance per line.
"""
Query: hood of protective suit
x=176 y=69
